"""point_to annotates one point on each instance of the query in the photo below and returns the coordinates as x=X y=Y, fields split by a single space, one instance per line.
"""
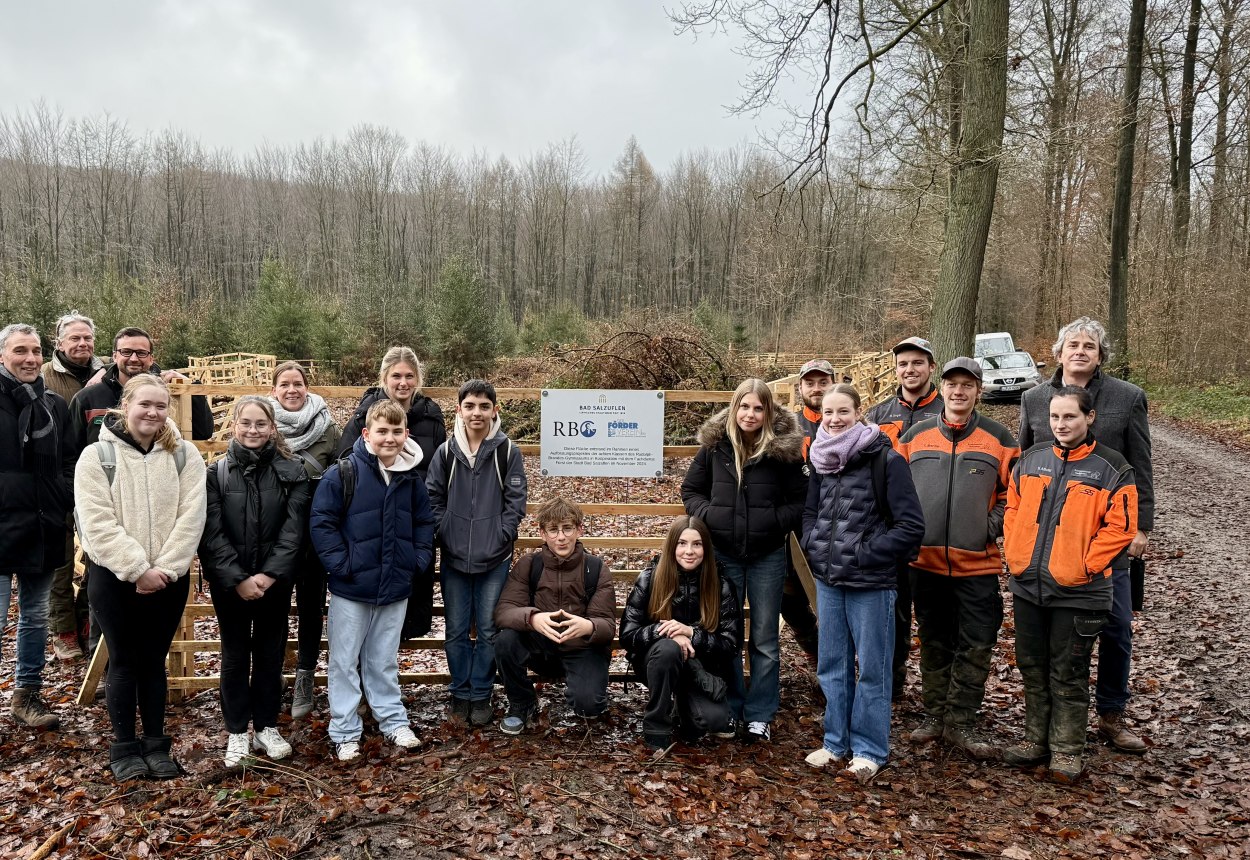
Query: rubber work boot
x=156 y=757
x=1112 y=728
x=126 y=761
x=29 y=709
x=971 y=742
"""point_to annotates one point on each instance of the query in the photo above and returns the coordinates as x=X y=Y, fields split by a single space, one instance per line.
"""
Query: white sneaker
x=862 y=769
x=347 y=751
x=236 y=749
x=404 y=737
x=822 y=758
x=271 y=743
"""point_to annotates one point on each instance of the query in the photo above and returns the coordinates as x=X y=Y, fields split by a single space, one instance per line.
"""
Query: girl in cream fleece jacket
x=140 y=533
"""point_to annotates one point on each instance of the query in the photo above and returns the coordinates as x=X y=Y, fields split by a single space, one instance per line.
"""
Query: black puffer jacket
x=257 y=518
x=715 y=648
x=751 y=519
x=845 y=539
x=426 y=425
x=33 y=507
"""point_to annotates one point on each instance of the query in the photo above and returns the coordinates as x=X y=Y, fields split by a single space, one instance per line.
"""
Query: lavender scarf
x=830 y=454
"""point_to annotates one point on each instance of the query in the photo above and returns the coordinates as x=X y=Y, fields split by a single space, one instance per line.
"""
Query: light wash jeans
x=469 y=601
x=761 y=582
x=364 y=647
x=856 y=623
x=32 y=624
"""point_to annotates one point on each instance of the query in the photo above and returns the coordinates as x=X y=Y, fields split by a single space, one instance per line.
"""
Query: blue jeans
x=1115 y=648
x=856 y=623
x=761 y=583
x=469 y=601
x=32 y=624
x=364 y=651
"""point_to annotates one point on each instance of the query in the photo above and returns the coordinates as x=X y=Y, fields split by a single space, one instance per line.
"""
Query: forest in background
x=334 y=248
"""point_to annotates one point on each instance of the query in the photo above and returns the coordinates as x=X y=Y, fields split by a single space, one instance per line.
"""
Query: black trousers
x=796 y=611
x=671 y=685
x=310 y=603
x=1053 y=650
x=958 y=617
x=585 y=670
x=138 y=629
x=253 y=644
x=902 y=629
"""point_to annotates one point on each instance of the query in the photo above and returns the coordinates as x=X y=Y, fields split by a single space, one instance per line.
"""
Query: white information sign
x=600 y=433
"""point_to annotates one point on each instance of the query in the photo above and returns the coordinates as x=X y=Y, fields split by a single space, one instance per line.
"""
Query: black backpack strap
x=592 y=572
x=536 y=573
x=347 y=474
x=311 y=466
x=879 y=490
x=223 y=473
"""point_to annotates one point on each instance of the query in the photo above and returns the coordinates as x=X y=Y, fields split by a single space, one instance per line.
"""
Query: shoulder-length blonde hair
x=400 y=355
x=742 y=453
x=166 y=437
x=266 y=406
x=664 y=579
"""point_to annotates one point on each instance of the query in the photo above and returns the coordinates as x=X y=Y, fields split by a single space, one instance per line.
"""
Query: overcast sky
x=504 y=77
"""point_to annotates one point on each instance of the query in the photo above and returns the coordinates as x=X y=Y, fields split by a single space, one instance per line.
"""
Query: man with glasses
x=132 y=355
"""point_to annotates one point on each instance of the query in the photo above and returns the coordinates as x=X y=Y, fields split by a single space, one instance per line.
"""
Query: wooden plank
x=356 y=391
x=655 y=542
x=803 y=569
x=624 y=509
x=95 y=672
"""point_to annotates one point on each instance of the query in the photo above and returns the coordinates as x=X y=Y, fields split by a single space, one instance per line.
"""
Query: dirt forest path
x=590 y=790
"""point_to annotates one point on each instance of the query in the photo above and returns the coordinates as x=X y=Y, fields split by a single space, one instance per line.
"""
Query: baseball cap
x=967 y=365
x=915 y=343
x=816 y=365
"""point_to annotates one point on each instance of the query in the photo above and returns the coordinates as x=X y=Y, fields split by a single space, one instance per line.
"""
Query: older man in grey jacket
x=1120 y=422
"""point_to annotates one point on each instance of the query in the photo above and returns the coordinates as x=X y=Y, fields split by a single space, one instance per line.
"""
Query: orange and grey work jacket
x=896 y=415
x=1070 y=513
x=961 y=476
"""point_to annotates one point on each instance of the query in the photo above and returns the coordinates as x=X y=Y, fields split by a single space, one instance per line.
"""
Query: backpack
x=223 y=474
x=594 y=567
x=499 y=467
x=347 y=474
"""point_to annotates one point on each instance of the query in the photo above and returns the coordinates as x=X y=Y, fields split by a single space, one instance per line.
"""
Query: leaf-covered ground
x=591 y=790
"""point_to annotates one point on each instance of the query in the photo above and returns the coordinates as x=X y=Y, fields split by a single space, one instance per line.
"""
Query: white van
x=993 y=343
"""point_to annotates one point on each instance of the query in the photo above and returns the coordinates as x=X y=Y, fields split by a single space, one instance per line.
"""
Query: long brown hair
x=742 y=455
x=664 y=579
x=166 y=438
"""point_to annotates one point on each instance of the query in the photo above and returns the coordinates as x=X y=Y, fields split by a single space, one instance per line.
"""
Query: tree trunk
x=1120 y=214
x=1185 y=141
x=975 y=179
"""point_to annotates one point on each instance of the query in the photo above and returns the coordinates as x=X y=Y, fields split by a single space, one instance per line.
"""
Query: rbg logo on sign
x=573 y=428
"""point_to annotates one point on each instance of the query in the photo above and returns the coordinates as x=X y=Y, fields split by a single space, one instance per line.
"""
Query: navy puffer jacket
x=845 y=539
x=372 y=550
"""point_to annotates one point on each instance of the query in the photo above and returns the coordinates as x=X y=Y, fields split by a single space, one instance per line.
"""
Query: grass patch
x=1222 y=407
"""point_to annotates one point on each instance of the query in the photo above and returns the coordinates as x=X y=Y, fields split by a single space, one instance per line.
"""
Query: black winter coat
x=845 y=539
x=33 y=508
x=715 y=648
x=257 y=520
x=751 y=519
x=89 y=406
x=426 y=426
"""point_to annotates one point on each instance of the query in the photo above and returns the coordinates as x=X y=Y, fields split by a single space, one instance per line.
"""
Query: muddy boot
x=126 y=761
x=302 y=698
x=29 y=709
x=156 y=757
x=1065 y=768
x=1036 y=747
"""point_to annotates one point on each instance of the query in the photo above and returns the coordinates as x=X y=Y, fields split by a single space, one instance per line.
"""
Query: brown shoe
x=971 y=742
x=1066 y=769
x=29 y=710
x=65 y=646
x=1112 y=728
x=930 y=729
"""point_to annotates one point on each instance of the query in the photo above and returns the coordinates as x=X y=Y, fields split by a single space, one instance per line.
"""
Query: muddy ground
x=590 y=790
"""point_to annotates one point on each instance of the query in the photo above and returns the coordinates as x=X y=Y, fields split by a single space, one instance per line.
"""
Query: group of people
x=898 y=506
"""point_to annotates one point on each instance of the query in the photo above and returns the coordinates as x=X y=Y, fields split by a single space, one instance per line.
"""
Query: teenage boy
x=372 y=527
x=477 y=489
x=961 y=463
x=557 y=615
x=917 y=400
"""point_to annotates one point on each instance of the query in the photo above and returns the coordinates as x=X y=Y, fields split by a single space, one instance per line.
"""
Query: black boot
x=156 y=756
x=126 y=761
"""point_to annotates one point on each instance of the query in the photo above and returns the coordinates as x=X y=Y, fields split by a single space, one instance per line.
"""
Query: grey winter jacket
x=1120 y=422
x=478 y=508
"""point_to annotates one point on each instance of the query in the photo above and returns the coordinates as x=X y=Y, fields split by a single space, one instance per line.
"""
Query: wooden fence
x=182 y=660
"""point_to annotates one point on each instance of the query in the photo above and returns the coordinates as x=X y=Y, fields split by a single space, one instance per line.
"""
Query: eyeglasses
x=135 y=353
x=565 y=530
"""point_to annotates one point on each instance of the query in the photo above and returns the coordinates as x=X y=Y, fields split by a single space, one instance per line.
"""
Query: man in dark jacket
x=132 y=355
x=917 y=399
x=961 y=463
x=36 y=479
x=72 y=365
x=1122 y=424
